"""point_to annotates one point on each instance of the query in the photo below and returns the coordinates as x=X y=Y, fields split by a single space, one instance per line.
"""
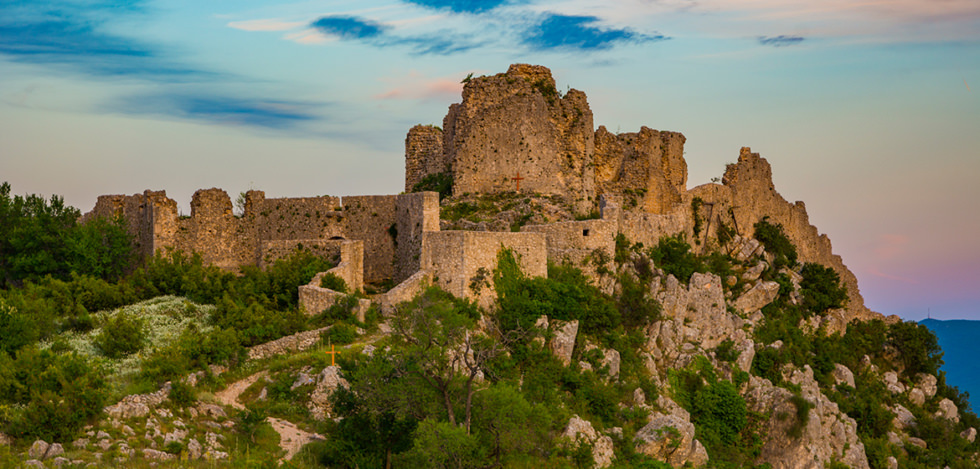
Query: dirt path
x=291 y=438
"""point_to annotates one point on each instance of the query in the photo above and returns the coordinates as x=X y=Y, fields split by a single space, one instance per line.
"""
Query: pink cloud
x=890 y=246
x=877 y=273
x=265 y=25
x=417 y=87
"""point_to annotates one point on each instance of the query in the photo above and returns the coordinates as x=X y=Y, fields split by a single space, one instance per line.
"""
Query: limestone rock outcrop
x=579 y=431
x=827 y=435
x=670 y=438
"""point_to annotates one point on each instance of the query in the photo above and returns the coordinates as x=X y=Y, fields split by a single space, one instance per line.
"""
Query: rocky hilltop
x=545 y=294
x=516 y=124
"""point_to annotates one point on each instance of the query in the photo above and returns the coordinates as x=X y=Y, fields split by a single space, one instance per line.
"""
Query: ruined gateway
x=514 y=136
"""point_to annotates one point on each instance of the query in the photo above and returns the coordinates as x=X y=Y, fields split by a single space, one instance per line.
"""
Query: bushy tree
x=776 y=242
x=121 y=335
x=821 y=288
x=917 y=346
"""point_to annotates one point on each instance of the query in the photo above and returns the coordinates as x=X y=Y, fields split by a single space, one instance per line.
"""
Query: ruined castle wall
x=754 y=197
x=372 y=219
x=313 y=298
x=648 y=228
x=298 y=218
x=459 y=259
x=646 y=167
x=213 y=231
x=423 y=154
x=576 y=242
x=415 y=214
x=272 y=251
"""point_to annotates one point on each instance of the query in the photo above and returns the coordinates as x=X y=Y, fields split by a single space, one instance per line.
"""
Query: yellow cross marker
x=333 y=354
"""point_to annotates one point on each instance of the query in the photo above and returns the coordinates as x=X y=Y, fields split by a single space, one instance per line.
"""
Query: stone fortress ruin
x=512 y=134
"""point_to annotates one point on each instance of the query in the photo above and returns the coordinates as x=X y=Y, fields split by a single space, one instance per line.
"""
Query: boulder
x=5 y=439
x=927 y=383
x=38 y=450
x=970 y=434
x=155 y=455
x=580 y=431
x=670 y=439
x=753 y=274
x=948 y=411
x=891 y=463
x=746 y=353
x=843 y=374
x=563 y=342
x=892 y=384
x=903 y=417
x=327 y=382
x=917 y=442
x=610 y=359
x=757 y=297
x=917 y=396
x=194 y=449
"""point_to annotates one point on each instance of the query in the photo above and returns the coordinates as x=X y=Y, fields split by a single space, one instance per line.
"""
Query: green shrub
x=182 y=394
x=802 y=417
x=121 y=335
x=673 y=255
x=437 y=182
x=821 y=288
x=917 y=346
x=339 y=334
x=333 y=282
x=776 y=242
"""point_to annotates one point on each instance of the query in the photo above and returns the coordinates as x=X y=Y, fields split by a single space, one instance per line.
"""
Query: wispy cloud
x=556 y=31
x=226 y=110
x=460 y=6
x=780 y=41
x=444 y=42
x=67 y=35
x=349 y=27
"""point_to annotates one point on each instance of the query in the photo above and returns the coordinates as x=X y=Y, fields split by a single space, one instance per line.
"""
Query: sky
x=864 y=108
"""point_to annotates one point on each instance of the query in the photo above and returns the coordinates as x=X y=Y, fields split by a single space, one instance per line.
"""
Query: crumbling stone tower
x=511 y=125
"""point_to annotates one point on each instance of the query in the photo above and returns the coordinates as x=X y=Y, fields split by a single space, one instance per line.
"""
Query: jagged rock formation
x=828 y=434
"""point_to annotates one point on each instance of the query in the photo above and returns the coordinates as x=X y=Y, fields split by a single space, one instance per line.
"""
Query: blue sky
x=864 y=108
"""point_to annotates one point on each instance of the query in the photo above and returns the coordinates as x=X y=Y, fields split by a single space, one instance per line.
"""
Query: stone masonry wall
x=461 y=259
x=271 y=251
x=214 y=232
x=423 y=154
x=416 y=214
x=297 y=218
x=575 y=242
x=371 y=218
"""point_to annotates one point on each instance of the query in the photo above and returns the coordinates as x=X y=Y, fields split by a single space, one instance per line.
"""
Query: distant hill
x=960 y=340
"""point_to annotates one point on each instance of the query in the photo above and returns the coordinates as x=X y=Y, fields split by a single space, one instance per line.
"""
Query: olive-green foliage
x=696 y=204
x=918 y=348
x=439 y=444
x=636 y=306
x=821 y=288
x=725 y=351
x=248 y=421
x=121 y=335
x=193 y=350
x=802 y=416
x=776 y=242
x=725 y=234
x=565 y=295
x=333 y=282
x=57 y=393
x=437 y=182
x=182 y=394
x=673 y=255
x=40 y=238
x=717 y=410
x=340 y=334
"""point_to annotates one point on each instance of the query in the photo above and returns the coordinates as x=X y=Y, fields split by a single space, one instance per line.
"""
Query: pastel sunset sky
x=864 y=108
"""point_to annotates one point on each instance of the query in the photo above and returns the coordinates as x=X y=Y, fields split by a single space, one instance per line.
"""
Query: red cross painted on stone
x=518 y=179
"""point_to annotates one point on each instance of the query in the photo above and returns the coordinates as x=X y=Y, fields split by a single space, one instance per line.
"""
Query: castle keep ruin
x=512 y=133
